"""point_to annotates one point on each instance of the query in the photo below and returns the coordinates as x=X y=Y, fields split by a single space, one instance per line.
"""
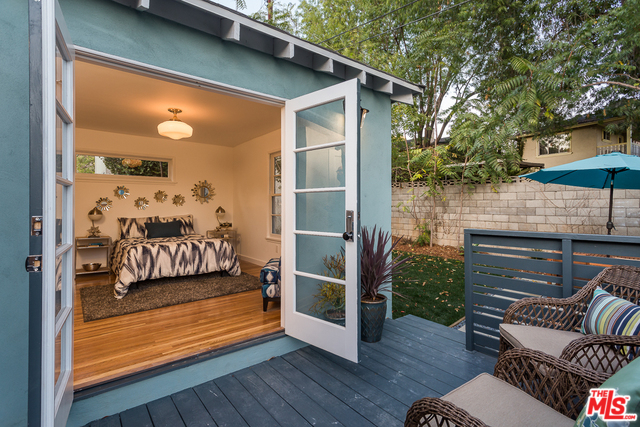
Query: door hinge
x=33 y=264
x=36 y=225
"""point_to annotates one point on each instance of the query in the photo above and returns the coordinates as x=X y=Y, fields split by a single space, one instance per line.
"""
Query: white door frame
x=340 y=340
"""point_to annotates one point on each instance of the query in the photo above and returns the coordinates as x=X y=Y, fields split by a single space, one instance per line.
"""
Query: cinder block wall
x=521 y=205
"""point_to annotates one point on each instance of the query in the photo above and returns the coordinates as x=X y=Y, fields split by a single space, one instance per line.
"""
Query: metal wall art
x=160 y=196
x=178 y=200
x=121 y=192
x=103 y=203
x=203 y=191
x=141 y=203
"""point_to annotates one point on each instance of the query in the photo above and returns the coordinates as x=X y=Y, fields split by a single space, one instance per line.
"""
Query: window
x=606 y=136
x=275 y=190
x=555 y=144
x=622 y=139
x=90 y=164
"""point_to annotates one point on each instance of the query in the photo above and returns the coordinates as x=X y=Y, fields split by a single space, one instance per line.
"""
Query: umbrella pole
x=610 y=223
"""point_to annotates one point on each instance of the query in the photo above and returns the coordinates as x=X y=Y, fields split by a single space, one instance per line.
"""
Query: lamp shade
x=95 y=214
x=220 y=212
x=174 y=128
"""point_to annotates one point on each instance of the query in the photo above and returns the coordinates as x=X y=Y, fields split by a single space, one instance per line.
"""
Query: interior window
x=276 y=190
x=559 y=143
x=104 y=165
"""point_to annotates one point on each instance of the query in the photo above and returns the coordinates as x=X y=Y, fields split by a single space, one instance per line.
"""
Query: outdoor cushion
x=626 y=383
x=498 y=404
x=550 y=341
x=611 y=315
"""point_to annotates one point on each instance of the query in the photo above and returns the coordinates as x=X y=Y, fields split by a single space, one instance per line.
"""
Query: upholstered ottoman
x=270 y=278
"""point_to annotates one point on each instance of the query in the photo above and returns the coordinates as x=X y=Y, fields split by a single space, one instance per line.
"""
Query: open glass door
x=52 y=178
x=320 y=239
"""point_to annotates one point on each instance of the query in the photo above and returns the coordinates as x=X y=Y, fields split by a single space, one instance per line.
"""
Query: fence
x=504 y=266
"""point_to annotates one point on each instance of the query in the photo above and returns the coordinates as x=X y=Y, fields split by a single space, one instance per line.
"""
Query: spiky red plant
x=377 y=265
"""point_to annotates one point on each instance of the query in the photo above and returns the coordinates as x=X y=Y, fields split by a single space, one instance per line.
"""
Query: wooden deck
x=415 y=358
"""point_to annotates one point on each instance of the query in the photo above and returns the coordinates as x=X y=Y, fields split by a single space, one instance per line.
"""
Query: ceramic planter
x=372 y=315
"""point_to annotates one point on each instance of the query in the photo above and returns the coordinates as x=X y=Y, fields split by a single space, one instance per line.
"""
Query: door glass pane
x=320 y=168
x=59 y=145
x=322 y=300
x=321 y=211
x=59 y=63
x=60 y=196
x=59 y=273
x=312 y=251
x=58 y=357
x=320 y=125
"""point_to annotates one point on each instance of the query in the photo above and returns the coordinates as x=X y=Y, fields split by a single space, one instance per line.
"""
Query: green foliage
x=147 y=168
x=85 y=164
x=436 y=291
x=331 y=295
x=425 y=235
x=283 y=16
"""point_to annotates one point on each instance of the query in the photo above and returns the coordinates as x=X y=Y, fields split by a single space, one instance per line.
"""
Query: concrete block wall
x=521 y=205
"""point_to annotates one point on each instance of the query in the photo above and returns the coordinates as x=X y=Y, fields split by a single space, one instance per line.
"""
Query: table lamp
x=95 y=214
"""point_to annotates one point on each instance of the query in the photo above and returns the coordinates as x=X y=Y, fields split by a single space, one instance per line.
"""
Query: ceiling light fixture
x=174 y=128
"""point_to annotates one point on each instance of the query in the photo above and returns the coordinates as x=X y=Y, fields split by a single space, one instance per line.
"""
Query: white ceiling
x=111 y=100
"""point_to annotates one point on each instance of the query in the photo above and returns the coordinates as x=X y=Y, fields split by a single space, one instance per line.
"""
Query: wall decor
x=121 y=192
x=103 y=203
x=203 y=191
x=160 y=196
x=141 y=203
x=178 y=200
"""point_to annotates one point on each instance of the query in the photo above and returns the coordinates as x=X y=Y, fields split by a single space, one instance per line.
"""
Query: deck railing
x=633 y=148
x=504 y=266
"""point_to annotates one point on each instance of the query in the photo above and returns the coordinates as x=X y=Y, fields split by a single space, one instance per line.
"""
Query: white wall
x=251 y=198
x=192 y=162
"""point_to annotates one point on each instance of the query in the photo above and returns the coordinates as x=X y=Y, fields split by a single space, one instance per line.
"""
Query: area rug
x=98 y=301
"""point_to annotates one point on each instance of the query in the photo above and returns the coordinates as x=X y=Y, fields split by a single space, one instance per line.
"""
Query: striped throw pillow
x=609 y=315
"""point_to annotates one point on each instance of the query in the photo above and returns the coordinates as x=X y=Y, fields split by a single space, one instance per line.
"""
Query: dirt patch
x=449 y=252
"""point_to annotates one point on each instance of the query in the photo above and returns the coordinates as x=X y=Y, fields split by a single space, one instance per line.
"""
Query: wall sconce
x=363 y=115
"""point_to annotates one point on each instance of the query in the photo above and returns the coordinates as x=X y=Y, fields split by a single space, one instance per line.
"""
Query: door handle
x=348 y=234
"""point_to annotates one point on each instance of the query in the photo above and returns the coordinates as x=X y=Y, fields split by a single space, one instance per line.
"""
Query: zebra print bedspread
x=139 y=259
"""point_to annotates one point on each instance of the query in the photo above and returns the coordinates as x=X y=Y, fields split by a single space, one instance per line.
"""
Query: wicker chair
x=508 y=398
x=561 y=319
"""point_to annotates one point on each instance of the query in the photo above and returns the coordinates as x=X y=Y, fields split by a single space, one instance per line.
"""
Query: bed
x=142 y=255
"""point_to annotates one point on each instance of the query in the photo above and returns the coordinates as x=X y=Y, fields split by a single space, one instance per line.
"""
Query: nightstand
x=102 y=244
x=229 y=235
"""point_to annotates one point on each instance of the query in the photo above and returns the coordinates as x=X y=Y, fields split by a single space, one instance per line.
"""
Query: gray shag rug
x=98 y=302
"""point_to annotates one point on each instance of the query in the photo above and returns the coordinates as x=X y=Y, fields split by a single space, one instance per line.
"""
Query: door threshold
x=93 y=390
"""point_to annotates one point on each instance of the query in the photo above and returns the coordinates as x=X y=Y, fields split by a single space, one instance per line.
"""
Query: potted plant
x=377 y=268
x=330 y=298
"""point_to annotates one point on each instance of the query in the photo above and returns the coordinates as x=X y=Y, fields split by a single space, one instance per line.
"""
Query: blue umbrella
x=596 y=172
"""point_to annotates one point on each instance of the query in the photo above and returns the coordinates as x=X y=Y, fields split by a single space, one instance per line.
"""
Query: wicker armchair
x=565 y=314
x=562 y=386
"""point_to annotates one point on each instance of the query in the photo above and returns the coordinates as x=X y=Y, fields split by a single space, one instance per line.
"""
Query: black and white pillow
x=134 y=227
x=186 y=223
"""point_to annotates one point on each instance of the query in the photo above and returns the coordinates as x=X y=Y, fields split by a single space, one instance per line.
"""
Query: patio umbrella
x=596 y=172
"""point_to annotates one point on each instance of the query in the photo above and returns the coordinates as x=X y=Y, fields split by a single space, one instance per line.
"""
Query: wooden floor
x=416 y=358
x=119 y=346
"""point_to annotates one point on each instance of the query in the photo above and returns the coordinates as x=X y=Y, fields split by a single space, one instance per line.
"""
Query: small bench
x=270 y=278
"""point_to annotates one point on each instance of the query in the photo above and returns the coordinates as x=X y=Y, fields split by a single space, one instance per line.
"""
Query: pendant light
x=174 y=128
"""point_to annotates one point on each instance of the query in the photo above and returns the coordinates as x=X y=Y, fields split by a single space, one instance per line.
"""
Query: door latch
x=36 y=225
x=348 y=234
x=33 y=264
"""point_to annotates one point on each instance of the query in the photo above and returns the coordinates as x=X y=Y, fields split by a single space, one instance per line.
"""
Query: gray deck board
x=415 y=358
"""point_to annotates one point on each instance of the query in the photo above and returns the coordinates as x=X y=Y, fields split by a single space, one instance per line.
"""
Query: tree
x=280 y=15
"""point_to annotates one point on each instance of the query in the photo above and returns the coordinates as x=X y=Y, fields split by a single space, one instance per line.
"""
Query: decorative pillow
x=134 y=227
x=610 y=315
x=185 y=220
x=163 y=229
x=625 y=383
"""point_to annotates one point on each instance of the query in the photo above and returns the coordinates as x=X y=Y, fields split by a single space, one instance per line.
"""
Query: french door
x=52 y=179
x=320 y=227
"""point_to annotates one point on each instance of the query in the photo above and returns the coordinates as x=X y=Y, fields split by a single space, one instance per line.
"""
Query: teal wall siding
x=14 y=212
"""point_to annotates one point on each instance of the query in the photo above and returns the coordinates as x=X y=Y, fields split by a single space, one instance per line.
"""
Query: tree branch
x=608 y=82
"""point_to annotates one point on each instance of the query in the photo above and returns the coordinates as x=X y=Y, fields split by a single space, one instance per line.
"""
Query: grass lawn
x=436 y=293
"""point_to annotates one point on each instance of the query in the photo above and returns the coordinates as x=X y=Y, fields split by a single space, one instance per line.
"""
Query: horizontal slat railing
x=504 y=266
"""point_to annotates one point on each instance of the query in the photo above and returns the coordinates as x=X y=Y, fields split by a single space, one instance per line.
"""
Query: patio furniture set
x=552 y=353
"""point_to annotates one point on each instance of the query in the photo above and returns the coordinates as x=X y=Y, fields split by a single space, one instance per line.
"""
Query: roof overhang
x=236 y=27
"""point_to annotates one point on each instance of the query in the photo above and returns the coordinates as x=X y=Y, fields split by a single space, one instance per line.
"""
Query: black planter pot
x=372 y=315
